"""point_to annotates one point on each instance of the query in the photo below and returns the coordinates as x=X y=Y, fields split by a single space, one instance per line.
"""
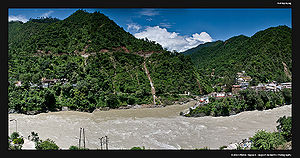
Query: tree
x=263 y=140
x=50 y=101
x=48 y=144
x=15 y=141
x=287 y=94
x=112 y=101
x=285 y=127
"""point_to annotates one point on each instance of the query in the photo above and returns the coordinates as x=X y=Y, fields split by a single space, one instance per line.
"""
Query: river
x=153 y=128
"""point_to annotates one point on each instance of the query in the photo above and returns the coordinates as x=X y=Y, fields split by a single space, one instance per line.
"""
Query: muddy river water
x=153 y=128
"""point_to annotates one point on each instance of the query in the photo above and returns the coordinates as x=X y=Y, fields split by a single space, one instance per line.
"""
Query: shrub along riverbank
x=278 y=140
x=246 y=100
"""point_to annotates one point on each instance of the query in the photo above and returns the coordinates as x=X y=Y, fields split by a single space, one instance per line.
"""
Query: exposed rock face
x=286 y=71
x=151 y=83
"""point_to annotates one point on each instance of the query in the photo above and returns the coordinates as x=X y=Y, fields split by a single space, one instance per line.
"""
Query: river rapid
x=153 y=128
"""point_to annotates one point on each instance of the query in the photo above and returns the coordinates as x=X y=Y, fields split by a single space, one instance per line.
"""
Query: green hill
x=104 y=65
x=267 y=55
x=82 y=31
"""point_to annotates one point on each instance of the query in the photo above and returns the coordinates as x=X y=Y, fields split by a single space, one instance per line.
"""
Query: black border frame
x=137 y=4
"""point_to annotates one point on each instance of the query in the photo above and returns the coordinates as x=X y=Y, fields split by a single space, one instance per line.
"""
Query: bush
x=73 y=147
x=77 y=148
x=112 y=101
x=287 y=94
x=15 y=142
x=14 y=135
x=285 y=127
x=138 y=148
x=47 y=145
x=263 y=140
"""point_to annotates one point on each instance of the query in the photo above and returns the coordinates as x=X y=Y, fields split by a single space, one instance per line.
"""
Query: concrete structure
x=204 y=100
x=286 y=85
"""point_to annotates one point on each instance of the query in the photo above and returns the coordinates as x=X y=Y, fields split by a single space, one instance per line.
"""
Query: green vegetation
x=267 y=55
x=111 y=76
x=103 y=66
x=15 y=141
x=48 y=144
x=72 y=147
x=172 y=73
x=247 y=100
x=285 y=127
x=137 y=148
x=263 y=140
x=82 y=31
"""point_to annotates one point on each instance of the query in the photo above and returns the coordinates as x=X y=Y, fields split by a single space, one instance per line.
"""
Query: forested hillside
x=266 y=56
x=92 y=63
x=90 y=32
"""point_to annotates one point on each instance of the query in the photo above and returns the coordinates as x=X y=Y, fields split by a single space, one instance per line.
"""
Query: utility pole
x=100 y=139
x=83 y=138
x=79 y=137
x=106 y=142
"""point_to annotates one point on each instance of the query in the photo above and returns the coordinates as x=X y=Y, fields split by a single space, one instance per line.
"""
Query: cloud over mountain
x=17 y=18
x=172 y=40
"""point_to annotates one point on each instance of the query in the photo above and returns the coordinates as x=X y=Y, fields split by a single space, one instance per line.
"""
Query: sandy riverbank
x=154 y=128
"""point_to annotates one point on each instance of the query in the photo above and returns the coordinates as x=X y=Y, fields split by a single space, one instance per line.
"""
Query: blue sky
x=179 y=28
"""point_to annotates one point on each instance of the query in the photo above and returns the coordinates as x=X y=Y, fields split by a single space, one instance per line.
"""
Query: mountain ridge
x=76 y=32
x=96 y=65
x=261 y=55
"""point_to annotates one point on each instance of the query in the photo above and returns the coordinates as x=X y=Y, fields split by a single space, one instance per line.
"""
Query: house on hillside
x=261 y=87
x=229 y=94
x=271 y=87
x=286 y=85
x=46 y=83
x=221 y=95
x=204 y=100
x=18 y=84
x=235 y=89
x=242 y=79
x=217 y=95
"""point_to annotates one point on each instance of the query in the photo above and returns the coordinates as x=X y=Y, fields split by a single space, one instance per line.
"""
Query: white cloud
x=133 y=26
x=47 y=13
x=166 y=25
x=149 y=19
x=149 y=12
x=172 y=40
x=17 y=18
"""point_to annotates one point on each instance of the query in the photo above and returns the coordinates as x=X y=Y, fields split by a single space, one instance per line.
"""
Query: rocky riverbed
x=154 y=128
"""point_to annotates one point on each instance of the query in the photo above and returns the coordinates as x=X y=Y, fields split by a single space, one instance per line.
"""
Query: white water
x=154 y=128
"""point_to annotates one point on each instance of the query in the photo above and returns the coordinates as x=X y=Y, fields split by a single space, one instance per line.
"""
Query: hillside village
x=242 y=82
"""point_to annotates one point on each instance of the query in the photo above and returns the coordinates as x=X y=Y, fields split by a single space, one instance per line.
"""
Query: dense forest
x=101 y=65
x=265 y=56
x=82 y=31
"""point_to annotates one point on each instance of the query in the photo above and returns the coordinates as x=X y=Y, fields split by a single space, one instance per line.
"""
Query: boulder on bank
x=32 y=112
x=12 y=111
x=64 y=108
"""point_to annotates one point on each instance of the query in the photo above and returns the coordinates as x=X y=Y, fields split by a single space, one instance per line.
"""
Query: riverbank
x=154 y=128
x=137 y=106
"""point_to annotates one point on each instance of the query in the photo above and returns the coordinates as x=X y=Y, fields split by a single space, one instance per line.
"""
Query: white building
x=204 y=100
x=286 y=85
x=18 y=83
